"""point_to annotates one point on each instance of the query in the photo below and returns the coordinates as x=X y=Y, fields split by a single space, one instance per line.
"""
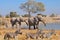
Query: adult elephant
x=16 y=20
x=40 y=20
x=34 y=22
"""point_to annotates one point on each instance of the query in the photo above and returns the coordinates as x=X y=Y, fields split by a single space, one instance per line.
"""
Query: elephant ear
x=31 y=20
x=17 y=18
x=26 y=21
x=21 y=20
x=36 y=18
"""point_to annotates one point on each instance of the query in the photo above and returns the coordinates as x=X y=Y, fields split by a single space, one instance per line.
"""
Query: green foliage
x=25 y=15
x=40 y=7
x=14 y=14
x=41 y=15
x=32 y=7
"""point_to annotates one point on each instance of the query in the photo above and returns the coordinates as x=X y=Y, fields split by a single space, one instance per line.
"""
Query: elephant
x=16 y=20
x=34 y=22
x=40 y=20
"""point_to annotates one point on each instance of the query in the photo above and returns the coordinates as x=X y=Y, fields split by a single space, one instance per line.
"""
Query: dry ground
x=24 y=31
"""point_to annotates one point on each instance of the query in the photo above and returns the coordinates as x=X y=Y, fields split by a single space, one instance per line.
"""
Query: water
x=49 y=26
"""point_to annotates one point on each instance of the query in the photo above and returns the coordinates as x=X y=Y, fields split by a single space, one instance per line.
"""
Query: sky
x=6 y=6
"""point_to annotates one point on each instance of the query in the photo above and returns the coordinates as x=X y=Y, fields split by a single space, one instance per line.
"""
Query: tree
x=0 y=15
x=32 y=6
x=7 y=16
x=41 y=15
x=25 y=15
x=14 y=14
x=52 y=15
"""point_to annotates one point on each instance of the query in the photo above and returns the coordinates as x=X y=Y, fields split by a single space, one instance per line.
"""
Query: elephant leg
x=34 y=26
x=12 y=25
x=37 y=26
x=29 y=26
x=20 y=25
x=37 y=23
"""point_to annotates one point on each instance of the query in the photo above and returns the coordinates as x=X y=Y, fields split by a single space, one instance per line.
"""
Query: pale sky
x=51 y=6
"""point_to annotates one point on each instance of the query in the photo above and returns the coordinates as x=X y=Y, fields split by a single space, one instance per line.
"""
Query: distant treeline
x=14 y=14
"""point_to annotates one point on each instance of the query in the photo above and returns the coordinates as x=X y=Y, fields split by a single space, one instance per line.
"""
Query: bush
x=52 y=15
x=0 y=15
x=25 y=15
x=14 y=14
x=7 y=16
x=42 y=15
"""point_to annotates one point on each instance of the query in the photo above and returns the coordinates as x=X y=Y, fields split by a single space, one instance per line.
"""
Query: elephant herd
x=29 y=22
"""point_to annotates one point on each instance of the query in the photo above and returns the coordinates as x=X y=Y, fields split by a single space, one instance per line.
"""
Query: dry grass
x=23 y=37
x=24 y=31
